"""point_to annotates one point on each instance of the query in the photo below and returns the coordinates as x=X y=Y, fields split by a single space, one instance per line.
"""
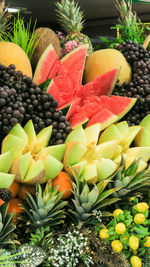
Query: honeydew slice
x=141 y=166
x=5 y=161
x=118 y=151
x=30 y=131
x=90 y=173
x=78 y=135
x=92 y=133
x=21 y=166
x=111 y=133
x=36 y=173
x=139 y=152
x=106 y=149
x=142 y=138
x=105 y=167
x=57 y=151
x=43 y=138
x=78 y=168
x=52 y=167
x=18 y=131
x=146 y=122
x=6 y=179
x=14 y=144
x=126 y=142
x=123 y=128
x=76 y=154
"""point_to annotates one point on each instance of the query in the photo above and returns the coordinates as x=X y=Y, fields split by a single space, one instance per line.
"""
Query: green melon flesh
x=5 y=161
x=57 y=151
x=106 y=149
x=18 y=131
x=132 y=132
x=146 y=123
x=105 y=167
x=76 y=154
x=14 y=144
x=142 y=138
x=52 y=167
x=6 y=180
x=111 y=133
x=139 y=152
x=43 y=138
x=30 y=131
x=78 y=135
x=123 y=128
x=90 y=173
x=78 y=168
x=36 y=173
x=92 y=133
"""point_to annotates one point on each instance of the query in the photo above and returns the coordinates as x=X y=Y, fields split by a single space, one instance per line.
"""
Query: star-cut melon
x=33 y=160
x=6 y=178
x=85 y=159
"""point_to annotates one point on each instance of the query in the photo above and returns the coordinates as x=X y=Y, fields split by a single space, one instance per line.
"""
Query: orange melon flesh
x=13 y=54
x=104 y=60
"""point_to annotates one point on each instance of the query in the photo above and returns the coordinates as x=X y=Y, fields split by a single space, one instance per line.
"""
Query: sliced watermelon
x=89 y=101
x=45 y=64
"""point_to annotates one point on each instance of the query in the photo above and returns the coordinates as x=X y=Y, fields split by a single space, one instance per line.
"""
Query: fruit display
x=75 y=144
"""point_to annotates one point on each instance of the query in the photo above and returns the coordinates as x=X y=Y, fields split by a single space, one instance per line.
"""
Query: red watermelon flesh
x=45 y=64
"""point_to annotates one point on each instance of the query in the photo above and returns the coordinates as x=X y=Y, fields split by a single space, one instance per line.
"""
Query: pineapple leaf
x=93 y=195
x=107 y=202
x=106 y=194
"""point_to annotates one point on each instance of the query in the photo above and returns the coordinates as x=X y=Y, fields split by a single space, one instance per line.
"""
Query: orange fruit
x=1 y=202
x=24 y=189
x=63 y=182
x=14 y=188
x=14 y=206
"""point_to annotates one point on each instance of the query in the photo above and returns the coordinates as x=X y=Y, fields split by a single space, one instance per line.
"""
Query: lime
x=133 y=242
x=120 y=228
x=116 y=212
x=117 y=246
x=135 y=261
x=147 y=243
x=142 y=207
x=139 y=218
x=103 y=233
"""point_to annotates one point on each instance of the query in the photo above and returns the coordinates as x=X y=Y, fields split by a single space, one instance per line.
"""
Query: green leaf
x=93 y=195
x=44 y=86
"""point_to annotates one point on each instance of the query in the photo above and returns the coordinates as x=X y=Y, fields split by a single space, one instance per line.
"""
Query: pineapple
x=130 y=179
x=71 y=19
x=6 y=226
x=88 y=201
x=45 y=208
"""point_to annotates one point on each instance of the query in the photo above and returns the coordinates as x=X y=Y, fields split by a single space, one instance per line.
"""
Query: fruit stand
x=75 y=142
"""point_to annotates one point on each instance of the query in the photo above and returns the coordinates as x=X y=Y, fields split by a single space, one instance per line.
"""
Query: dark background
x=100 y=14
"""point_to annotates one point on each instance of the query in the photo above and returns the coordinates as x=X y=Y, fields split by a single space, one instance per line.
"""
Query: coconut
x=47 y=36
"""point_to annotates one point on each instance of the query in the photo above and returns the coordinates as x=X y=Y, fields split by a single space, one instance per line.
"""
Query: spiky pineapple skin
x=81 y=38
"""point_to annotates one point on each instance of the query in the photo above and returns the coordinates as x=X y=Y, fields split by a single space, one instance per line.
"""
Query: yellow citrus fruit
x=142 y=207
x=120 y=228
x=139 y=218
x=116 y=212
x=134 y=252
x=133 y=242
x=103 y=233
x=135 y=261
x=12 y=53
x=147 y=243
x=117 y=246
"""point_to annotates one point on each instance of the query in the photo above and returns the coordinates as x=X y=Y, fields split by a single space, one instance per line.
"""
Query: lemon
x=117 y=246
x=120 y=228
x=142 y=207
x=133 y=242
x=103 y=233
x=139 y=218
x=116 y=212
x=147 y=243
x=135 y=261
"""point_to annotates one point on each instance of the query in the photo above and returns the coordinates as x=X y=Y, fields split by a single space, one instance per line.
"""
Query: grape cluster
x=21 y=100
x=139 y=87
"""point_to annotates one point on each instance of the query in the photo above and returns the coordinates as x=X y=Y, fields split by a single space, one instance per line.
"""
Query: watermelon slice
x=89 y=101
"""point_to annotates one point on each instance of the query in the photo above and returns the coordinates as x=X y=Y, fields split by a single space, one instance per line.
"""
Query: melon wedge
x=36 y=173
x=105 y=168
x=6 y=180
x=21 y=166
x=6 y=161
x=111 y=133
x=90 y=173
x=52 y=167
x=55 y=151
x=14 y=144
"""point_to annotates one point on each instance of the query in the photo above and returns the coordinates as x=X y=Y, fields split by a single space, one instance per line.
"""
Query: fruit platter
x=75 y=142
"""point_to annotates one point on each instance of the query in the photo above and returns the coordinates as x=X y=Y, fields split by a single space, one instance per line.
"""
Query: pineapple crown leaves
x=42 y=238
x=45 y=207
x=70 y=16
x=6 y=225
x=125 y=10
x=88 y=201
x=130 y=179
